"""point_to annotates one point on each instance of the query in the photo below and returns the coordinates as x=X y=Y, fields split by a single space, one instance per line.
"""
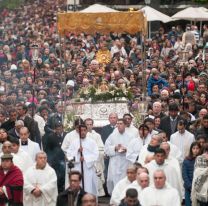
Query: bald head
x=7 y=147
x=24 y=134
x=113 y=117
x=89 y=200
x=143 y=180
x=166 y=147
x=157 y=108
x=159 y=179
x=131 y=173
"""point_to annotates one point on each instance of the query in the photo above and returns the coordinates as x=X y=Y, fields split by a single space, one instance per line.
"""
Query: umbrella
x=154 y=15
x=98 y=8
x=192 y=14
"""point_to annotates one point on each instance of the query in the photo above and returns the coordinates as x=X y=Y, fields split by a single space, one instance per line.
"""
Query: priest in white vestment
x=21 y=158
x=148 y=150
x=32 y=148
x=89 y=149
x=142 y=181
x=159 y=193
x=182 y=139
x=68 y=139
x=130 y=128
x=122 y=184
x=172 y=161
x=116 y=147
x=99 y=165
x=40 y=183
x=174 y=150
x=170 y=172
x=136 y=144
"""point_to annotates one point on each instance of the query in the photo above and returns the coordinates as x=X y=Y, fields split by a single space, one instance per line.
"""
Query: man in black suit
x=74 y=193
x=108 y=129
x=169 y=123
x=10 y=123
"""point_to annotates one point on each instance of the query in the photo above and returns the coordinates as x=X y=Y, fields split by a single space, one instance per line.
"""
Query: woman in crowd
x=188 y=170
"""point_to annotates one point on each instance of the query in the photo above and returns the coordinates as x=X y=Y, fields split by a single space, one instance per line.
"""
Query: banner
x=90 y=23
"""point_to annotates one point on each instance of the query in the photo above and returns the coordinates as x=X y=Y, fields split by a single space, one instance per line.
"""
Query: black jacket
x=166 y=126
x=62 y=199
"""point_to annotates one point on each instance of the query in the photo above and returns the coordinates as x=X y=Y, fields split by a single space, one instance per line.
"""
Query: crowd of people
x=161 y=161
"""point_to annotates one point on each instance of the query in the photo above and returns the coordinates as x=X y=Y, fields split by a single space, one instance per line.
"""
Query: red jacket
x=13 y=181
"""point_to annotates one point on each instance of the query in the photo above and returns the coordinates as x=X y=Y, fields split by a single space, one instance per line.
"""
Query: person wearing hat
x=155 y=79
x=11 y=182
x=168 y=123
x=55 y=117
x=135 y=145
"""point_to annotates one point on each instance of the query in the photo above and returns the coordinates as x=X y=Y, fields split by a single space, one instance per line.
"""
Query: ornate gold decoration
x=120 y=22
x=103 y=56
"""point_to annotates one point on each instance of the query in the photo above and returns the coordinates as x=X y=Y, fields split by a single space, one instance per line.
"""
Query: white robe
x=182 y=141
x=24 y=161
x=32 y=148
x=118 y=163
x=132 y=131
x=133 y=185
x=118 y=189
x=90 y=154
x=143 y=154
x=73 y=135
x=167 y=196
x=41 y=124
x=135 y=147
x=175 y=152
x=46 y=180
x=99 y=165
x=170 y=172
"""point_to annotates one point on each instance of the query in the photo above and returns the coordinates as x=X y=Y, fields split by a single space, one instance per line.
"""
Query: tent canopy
x=97 y=8
x=154 y=15
x=192 y=14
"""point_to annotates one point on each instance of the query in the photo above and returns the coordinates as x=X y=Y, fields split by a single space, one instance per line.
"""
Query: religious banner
x=90 y=23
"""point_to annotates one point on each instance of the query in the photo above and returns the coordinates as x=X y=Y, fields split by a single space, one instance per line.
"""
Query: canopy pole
x=149 y=24
x=200 y=28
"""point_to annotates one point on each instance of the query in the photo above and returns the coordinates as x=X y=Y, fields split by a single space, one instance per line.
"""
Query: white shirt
x=182 y=141
x=118 y=189
x=167 y=196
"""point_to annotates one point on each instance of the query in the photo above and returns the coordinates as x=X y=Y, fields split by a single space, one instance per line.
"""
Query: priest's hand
x=81 y=159
x=37 y=192
x=80 y=149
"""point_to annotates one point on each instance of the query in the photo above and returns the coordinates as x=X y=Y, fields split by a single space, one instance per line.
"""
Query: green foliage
x=11 y=4
x=96 y=95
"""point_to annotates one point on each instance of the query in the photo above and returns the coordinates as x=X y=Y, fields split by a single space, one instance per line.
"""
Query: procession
x=101 y=106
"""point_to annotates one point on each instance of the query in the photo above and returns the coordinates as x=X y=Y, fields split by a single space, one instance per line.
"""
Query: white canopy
x=154 y=15
x=97 y=8
x=192 y=14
